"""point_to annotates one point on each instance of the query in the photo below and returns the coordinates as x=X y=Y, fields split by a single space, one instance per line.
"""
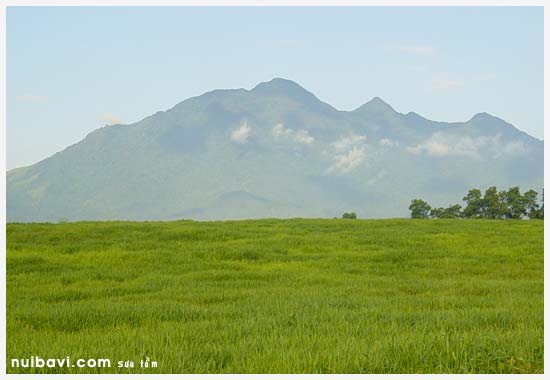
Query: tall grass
x=279 y=296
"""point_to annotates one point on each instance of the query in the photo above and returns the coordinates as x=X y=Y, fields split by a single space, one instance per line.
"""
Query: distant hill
x=273 y=151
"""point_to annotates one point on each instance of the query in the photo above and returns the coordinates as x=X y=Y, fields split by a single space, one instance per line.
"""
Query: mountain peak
x=482 y=116
x=279 y=85
x=377 y=106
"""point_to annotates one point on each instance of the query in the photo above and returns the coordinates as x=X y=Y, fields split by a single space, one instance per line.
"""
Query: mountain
x=273 y=151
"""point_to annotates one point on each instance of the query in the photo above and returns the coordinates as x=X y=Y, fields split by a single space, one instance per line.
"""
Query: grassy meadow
x=279 y=296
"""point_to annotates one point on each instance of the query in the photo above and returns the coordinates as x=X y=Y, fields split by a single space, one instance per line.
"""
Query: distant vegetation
x=349 y=215
x=280 y=296
x=494 y=204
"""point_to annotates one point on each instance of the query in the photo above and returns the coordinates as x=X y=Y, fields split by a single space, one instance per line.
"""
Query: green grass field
x=279 y=296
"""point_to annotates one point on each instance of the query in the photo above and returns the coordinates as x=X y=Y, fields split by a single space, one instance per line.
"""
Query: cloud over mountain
x=440 y=144
x=348 y=142
x=240 y=135
x=350 y=160
x=300 y=136
x=388 y=142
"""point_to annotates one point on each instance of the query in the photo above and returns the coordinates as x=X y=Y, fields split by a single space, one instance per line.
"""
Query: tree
x=505 y=204
x=502 y=199
x=452 y=212
x=474 y=204
x=539 y=214
x=349 y=215
x=530 y=203
x=419 y=209
x=492 y=206
x=436 y=212
x=515 y=203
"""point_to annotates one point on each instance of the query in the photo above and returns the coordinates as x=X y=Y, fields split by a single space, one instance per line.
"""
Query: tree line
x=493 y=204
x=349 y=215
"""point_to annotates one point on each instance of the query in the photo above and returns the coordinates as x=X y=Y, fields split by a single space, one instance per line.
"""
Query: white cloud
x=348 y=142
x=349 y=160
x=279 y=130
x=388 y=142
x=439 y=145
x=431 y=148
x=110 y=119
x=350 y=151
x=31 y=98
x=301 y=136
x=443 y=83
x=418 y=49
x=241 y=134
x=514 y=148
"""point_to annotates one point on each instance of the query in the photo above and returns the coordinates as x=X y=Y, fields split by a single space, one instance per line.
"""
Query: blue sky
x=71 y=70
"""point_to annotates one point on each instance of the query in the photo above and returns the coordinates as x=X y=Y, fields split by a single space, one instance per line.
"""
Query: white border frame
x=6 y=3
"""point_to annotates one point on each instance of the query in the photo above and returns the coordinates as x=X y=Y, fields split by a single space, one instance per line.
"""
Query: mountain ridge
x=276 y=142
